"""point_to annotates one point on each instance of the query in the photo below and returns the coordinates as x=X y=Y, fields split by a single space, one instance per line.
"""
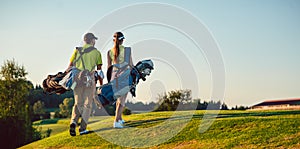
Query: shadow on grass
x=147 y=123
x=156 y=121
x=150 y=122
x=135 y=124
x=103 y=129
x=47 y=121
x=94 y=121
x=55 y=121
x=252 y=113
x=144 y=122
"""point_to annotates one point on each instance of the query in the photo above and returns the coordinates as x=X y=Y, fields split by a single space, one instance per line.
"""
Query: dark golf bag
x=125 y=81
x=51 y=83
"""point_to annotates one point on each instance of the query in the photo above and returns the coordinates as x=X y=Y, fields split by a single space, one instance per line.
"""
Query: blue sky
x=259 y=42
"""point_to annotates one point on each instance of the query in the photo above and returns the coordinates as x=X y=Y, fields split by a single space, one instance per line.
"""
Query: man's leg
x=77 y=110
x=87 y=107
x=78 y=105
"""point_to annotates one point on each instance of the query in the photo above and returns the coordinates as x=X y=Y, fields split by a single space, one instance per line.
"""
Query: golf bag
x=64 y=81
x=51 y=83
x=125 y=81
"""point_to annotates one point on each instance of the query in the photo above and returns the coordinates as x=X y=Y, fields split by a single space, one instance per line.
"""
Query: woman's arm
x=108 y=59
x=131 y=63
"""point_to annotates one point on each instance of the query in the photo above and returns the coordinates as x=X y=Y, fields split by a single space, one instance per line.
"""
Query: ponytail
x=118 y=38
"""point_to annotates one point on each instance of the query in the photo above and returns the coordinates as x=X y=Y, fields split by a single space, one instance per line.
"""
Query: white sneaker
x=118 y=125
x=121 y=121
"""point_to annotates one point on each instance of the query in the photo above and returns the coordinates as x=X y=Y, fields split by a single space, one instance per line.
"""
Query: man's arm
x=71 y=64
x=73 y=57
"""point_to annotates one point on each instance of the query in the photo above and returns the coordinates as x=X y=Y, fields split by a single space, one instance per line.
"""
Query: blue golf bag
x=125 y=81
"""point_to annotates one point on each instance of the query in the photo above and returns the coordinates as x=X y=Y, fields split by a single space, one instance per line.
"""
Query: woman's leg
x=120 y=107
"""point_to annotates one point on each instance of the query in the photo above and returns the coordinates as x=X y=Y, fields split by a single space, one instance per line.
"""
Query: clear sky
x=259 y=42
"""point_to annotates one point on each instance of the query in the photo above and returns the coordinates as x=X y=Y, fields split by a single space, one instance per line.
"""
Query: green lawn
x=55 y=126
x=231 y=129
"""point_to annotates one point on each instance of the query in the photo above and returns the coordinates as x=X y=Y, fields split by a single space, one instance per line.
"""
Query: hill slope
x=231 y=129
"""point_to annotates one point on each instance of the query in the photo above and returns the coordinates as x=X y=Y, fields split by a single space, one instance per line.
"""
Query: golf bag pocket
x=118 y=87
x=68 y=80
x=85 y=78
x=121 y=83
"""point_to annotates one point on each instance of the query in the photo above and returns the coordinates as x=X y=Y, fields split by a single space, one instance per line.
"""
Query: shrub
x=110 y=109
x=126 y=111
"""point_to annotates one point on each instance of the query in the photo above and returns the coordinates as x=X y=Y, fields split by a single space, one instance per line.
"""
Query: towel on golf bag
x=126 y=80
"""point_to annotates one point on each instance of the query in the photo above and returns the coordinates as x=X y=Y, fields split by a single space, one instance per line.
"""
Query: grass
x=55 y=126
x=231 y=129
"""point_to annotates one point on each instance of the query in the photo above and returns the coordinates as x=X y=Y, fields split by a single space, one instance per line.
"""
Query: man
x=85 y=58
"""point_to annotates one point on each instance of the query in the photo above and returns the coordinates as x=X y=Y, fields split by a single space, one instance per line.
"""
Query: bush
x=37 y=133
x=126 y=111
x=57 y=114
x=48 y=132
x=110 y=109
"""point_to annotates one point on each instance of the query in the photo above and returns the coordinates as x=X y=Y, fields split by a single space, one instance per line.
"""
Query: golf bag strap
x=127 y=54
x=87 y=50
x=126 y=63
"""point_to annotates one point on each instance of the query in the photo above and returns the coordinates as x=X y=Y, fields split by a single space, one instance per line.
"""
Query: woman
x=116 y=55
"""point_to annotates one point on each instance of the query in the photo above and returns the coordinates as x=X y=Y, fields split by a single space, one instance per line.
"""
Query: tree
x=224 y=106
x=12 y=71
x=39 y=108
x=201 y=106
x=212 y=105
x=185 y=96
x=15 y=119
x=170 y=101
x=39 y=111
x=163 y=102
x=66 y=107
x=240 y=108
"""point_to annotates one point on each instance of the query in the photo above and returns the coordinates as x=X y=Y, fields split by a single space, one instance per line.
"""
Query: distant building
x=282 y=104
